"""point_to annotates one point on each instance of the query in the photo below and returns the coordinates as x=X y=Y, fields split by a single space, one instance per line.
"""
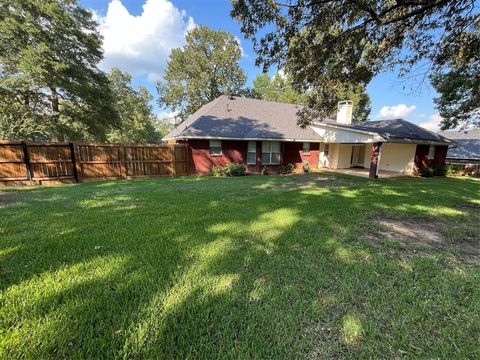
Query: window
x=431 y=152
x=270 y=152
x=306 y=148
x=252 y=153
x=215 y=147
x=325 y=149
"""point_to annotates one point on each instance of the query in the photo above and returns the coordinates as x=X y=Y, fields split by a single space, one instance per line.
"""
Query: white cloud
x=141 y=44
x=433 y=122
x=169 y=116
x=395 y=111
x=242 y=52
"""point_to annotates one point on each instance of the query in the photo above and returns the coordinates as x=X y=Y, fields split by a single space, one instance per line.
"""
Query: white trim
x=348 y=129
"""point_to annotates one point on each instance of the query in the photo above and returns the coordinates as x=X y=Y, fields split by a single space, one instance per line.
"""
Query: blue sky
x=140 y=33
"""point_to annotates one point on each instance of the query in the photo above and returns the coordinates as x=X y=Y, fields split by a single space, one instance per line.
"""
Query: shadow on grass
x=217 y=268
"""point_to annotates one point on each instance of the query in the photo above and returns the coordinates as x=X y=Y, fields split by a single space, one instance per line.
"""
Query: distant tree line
x=51 y=87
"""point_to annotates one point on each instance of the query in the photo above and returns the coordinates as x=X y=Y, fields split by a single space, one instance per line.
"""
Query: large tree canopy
x=138 y=123
x=50 y=86
x=205 y=68
x=458 y=86
x=329 y=45
x=279 y=88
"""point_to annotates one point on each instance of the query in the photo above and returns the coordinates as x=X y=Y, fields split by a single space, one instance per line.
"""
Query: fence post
x=122 y=157
x=187 y=160
x=27 y=161
x=172 y=149
x=75 y=162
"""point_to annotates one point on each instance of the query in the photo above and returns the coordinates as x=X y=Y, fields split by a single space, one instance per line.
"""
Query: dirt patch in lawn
x=420 y=237
x=11 y=197
x=469 y=206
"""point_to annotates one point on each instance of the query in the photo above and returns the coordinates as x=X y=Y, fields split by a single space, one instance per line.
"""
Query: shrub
x=425 y=172
x=288 y=169
x=440 y=170
x=453 y=169
x=216 y=171
x=306 y=167
x=234 y=169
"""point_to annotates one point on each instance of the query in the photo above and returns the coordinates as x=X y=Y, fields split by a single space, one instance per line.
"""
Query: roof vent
x=344 y=113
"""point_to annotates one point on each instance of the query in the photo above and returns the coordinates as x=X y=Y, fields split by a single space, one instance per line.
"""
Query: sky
x=139 y=34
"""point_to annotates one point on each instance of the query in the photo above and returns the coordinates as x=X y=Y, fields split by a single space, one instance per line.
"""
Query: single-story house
x=261 y=133
x=466 y=152
x=467 y=148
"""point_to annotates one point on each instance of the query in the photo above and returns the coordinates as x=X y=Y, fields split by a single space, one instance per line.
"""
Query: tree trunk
x=56 y=112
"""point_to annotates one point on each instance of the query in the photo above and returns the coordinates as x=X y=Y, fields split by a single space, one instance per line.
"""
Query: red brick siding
x=421 y=156
x=236 y=151
x=293 y=153
x=202 y=161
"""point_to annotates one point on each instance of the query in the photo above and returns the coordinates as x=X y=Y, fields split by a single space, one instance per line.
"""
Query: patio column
x=375 y=160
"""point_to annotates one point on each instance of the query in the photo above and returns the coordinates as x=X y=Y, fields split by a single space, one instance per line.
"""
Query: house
x=261 y=133
x=466 y=153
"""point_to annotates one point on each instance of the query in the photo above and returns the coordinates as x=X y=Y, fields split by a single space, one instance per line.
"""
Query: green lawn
x=251 y=267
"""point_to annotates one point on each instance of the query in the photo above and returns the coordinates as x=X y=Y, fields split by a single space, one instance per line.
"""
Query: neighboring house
x=261 y=133
x=466 y=154
x=467 y=147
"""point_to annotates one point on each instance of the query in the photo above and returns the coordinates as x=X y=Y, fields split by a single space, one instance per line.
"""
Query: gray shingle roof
x=468 y=144
x=243 y=118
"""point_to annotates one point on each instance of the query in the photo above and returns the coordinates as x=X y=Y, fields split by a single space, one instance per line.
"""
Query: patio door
x=358 y=156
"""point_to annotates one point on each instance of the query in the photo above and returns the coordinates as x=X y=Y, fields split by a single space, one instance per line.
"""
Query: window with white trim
x=431 y=152
x=215 y=147
x=270 y=153
x=306 y=148
x=252 y=153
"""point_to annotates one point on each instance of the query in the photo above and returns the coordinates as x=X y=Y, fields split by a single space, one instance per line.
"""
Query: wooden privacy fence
x=24 y=162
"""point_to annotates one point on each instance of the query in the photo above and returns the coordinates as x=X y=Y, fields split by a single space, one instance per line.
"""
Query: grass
x=251 y=267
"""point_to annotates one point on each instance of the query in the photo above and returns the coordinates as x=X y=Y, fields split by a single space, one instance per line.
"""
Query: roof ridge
x=407 y=124
x=270 y=101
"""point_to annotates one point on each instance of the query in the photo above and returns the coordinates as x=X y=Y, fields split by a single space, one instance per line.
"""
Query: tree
x=459 y=87
x=205 y=68
x=459 y=100
x=49 y=81
x=328 y=45
x=279 y=88
x=137 y=120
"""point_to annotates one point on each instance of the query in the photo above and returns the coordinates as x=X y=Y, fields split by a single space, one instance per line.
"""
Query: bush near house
x=231 y=169
x=234 y=169
x=440 y=170
x=216 y=171
x=286 y=169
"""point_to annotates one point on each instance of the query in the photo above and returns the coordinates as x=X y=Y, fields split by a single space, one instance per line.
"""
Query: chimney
x=344 y=114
